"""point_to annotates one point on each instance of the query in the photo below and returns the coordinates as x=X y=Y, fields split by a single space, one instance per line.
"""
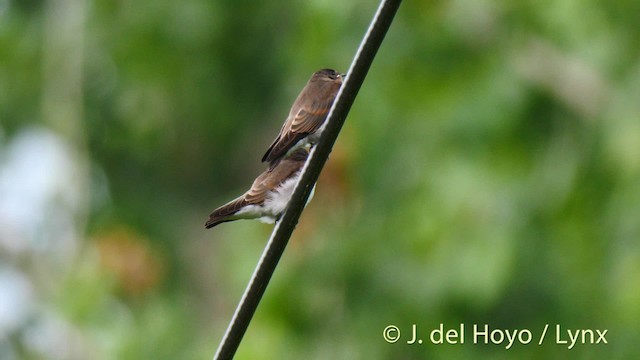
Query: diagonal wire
x=319 y=154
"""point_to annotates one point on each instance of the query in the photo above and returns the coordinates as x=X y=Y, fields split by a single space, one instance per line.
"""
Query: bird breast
x=277 y=201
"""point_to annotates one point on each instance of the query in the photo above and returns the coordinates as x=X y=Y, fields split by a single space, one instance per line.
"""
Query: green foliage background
x=488 y=173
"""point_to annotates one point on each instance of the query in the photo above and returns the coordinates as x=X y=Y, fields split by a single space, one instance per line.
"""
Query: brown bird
x=308 y=113
x=269 y=195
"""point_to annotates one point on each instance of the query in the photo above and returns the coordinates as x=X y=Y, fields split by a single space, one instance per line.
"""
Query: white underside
x=255 y=212
x=311 y=139
x=315 y=136
x=275 y=203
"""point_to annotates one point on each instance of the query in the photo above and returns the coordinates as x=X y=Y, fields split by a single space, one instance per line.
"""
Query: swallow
x=269 y=195
x=307 y=115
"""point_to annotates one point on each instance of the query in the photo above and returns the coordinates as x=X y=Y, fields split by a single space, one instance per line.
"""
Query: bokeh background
x=488 y=173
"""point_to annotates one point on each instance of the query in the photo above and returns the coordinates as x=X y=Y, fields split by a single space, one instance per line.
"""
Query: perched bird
x=269 y=195
x=307 y=115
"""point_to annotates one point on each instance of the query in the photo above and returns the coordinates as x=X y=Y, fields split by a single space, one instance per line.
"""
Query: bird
x=269 y=195
x=303 y=126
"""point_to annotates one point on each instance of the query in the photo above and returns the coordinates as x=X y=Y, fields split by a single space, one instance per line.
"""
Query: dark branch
x=283 y=230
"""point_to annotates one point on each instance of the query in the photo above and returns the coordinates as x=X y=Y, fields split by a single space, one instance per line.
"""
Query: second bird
x=269 y=195
x=307 y=115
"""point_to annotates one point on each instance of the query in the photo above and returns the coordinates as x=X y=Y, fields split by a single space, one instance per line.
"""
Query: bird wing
x=271 y=179
x=261 y=187
x=255 y=196
x=304 y=122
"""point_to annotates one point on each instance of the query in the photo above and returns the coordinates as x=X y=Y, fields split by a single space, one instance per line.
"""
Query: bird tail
x=225 y=213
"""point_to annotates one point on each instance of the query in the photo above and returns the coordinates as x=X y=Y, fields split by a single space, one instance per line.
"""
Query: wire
x=318 y=157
